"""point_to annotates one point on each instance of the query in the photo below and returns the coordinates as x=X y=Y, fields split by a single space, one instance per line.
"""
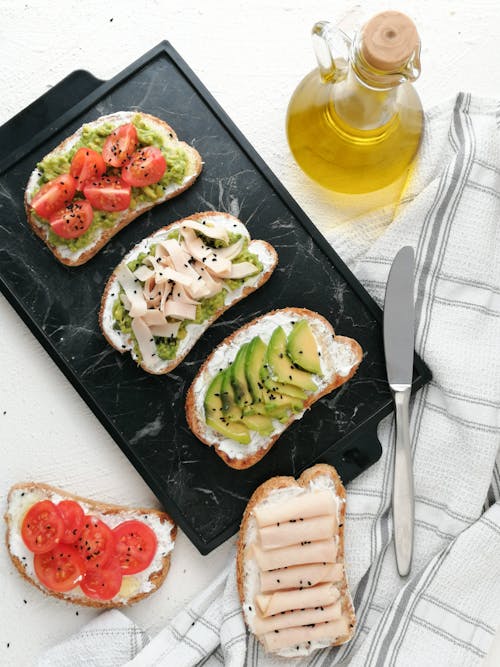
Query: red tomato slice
x=96 y=544
x=86 y=165
x=103 y=583
x=120 y=145
x=72 y=221
x=60 y=569
x=135 y=546
x=72 y=515
x=42 y=527
x=146 y=167
x=54 y=195
x=108 y=193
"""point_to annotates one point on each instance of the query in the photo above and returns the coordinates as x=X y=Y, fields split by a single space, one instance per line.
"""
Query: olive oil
x=354 y=124
x=343 y=157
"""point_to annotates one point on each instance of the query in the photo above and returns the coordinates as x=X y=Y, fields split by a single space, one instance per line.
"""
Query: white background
x=250 y=55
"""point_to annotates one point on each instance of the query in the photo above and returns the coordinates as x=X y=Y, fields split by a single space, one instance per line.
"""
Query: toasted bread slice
x=272 y=493
x=340 y=356
x=76 y=257
x=134 y=587
x=124 y=343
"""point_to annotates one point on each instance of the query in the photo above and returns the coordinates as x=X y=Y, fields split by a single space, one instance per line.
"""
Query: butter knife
x=399 y=342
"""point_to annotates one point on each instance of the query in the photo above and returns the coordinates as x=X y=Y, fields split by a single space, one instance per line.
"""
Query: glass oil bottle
x=354 y=123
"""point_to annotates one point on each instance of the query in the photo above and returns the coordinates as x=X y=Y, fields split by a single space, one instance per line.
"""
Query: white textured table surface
x=250 y=56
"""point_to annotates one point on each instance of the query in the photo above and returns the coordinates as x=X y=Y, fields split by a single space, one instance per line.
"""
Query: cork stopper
x=389 y=39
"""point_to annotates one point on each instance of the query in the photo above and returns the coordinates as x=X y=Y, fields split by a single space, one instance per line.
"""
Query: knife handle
x=403 y=507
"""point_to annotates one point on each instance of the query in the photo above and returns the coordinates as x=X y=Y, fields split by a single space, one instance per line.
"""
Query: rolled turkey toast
x=195 y=412
x=45 y=491
x=122 y=344
x=80 y=256
x=262 y=493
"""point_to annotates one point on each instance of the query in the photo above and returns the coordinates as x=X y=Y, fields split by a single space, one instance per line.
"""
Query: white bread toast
x=272 y=493
x=124 y=343
x=340 y=357
x=134 y=587
x=103 y=235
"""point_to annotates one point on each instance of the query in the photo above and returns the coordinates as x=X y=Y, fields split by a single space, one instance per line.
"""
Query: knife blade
x=399 y=343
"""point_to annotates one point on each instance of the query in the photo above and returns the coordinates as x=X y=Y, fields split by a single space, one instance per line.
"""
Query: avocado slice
x=273 y=401
x=230 y=410
x=254 y=360
x=242 y=394
x=273 y=411
x=260 y=423
x=233 y=430
x=280 y=366
x=214 y=417
x=302 y=347
x=287 y=389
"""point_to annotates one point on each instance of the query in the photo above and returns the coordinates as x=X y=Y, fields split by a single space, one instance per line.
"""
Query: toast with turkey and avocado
x=171 y=286
x=279 y=365
x=102 y=177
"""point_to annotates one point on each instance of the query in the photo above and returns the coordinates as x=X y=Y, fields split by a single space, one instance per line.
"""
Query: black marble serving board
x=144 y=413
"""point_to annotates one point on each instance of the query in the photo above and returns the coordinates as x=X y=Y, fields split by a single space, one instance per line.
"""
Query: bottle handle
x=331 y=46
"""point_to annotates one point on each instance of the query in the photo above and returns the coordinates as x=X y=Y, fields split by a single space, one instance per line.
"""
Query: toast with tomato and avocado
x=102 y=177
x=262 y=378
x=170 y=288
x=86 y=552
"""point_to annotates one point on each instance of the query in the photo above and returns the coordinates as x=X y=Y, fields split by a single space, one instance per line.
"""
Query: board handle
x=352 y=458
x=46 y=109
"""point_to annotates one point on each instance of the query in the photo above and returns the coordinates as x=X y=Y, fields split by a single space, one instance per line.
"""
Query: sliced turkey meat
x=133 y=290
x=145 y=340
x=209 y=230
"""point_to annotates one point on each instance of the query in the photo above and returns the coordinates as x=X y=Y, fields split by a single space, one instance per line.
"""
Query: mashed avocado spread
x=166 y=348
x=94 y=137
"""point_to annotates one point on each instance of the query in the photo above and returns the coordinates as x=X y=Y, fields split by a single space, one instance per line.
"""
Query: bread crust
x=262 y=491
x=245 y=292
x=128 y=216
x=156 y=578
x=196 y=422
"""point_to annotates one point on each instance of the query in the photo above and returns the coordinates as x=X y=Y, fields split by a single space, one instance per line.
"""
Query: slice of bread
x=74 y=258
x=124 y=343
x=272 y=493
x=340 y=358
x=135 y=587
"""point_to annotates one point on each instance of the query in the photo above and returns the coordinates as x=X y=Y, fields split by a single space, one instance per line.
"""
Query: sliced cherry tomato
x=135 y=546
x=103 y=583
x=54 y=195
x=60 y=569
x=109 y=193
x=146 y=167
x=42 y=527
x=96 y=544
x=120 y=145
x=72 y=221
x=72 y=515
x=86 y=165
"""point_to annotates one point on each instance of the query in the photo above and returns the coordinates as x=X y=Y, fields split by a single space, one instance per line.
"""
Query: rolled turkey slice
x=292 y=619
x=145 y=340
x=211 y=231
x=284 y=534
x=133 y=290
x=297 y=637
x=302 y=506
x=298 y=554
x=301 y=575
x=314 y=596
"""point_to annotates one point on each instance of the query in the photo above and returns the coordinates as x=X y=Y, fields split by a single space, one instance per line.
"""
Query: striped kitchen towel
x=446 y=613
